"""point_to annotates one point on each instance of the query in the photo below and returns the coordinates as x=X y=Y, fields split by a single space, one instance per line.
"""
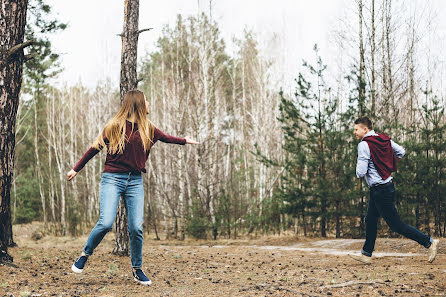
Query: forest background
x=276 y=155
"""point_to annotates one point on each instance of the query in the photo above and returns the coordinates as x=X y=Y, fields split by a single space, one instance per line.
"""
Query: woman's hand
x=190 y=140
x=71 y=174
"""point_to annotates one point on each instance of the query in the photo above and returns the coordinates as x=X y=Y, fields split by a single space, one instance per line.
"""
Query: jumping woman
x=128 y=137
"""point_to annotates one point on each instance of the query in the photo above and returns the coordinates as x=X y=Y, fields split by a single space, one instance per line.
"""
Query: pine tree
x=12 y=33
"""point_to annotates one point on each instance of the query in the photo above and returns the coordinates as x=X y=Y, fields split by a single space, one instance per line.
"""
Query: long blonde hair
x=133 y=106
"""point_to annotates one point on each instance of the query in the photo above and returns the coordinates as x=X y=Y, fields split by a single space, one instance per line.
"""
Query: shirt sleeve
x=85 y=158
x=363 y=159
x=90 y=153
x=398 y=149
x=160 y=135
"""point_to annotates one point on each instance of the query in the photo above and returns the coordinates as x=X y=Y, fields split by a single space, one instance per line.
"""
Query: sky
x=91 y=49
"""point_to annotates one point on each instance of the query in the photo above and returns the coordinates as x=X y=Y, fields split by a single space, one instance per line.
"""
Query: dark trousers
x=382 y=203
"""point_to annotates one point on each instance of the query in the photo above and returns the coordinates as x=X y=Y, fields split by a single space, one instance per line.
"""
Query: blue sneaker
x=79 y=264
x=140 y=277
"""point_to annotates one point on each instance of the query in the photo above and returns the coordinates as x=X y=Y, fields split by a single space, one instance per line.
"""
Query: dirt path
x=328 y=247
x=277 y=266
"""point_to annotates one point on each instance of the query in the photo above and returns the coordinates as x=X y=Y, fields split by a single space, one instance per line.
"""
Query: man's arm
x=363 y=159
x=398 y=149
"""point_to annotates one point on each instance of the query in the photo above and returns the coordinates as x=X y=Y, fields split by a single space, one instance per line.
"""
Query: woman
x=128 y=136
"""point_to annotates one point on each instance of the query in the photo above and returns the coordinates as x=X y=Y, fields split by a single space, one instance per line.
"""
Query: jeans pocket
x=107 y=178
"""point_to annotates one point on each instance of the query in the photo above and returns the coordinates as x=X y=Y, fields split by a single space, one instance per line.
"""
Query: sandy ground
x=273 y=266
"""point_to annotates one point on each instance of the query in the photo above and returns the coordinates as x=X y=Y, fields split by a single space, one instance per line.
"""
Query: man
x=377 y=158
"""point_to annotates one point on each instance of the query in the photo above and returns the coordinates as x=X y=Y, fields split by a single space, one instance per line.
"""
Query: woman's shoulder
x=156 y=131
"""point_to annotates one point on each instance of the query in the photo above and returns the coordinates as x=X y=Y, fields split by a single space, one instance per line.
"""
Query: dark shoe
x=140 y=277
x=79 y=264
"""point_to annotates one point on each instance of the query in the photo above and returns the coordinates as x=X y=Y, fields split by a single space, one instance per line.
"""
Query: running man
x=377 y=159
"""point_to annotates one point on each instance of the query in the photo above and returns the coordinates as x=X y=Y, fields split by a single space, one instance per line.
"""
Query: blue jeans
x=382 y=203
x=113 y=186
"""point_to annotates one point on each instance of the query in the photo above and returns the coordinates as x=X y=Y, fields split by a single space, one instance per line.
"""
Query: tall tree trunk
x=128 y=81
x=338 y=218
x=361 y=62
x=391 y=98
x=57 y=142
x=12 y=30
x=372 y=54
x=128 y=78
x=361 y=95
x=411 y=71
x=36 y=152
x=50 y=165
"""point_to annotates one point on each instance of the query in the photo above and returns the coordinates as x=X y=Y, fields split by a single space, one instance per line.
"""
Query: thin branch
x=29 y=57
x=144 y=30
x=136 y=32
x=18 y=47
x=24 y=135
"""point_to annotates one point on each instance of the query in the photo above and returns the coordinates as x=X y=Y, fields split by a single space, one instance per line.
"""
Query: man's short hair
x=364 y=121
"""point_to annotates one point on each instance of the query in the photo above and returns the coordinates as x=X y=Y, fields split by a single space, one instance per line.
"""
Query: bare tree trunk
x=372 y=54
x=12 y=31
x=411 y=72
x=57 y=143
x=390 y=93
x=361 y=61
x=361 y=90
x=50 y=163
x=128 y=81
x=19 y=126
x=36 y=152
x=72 y=95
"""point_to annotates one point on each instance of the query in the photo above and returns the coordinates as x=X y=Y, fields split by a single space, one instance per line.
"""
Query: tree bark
x=36 y=152
x=372 y=54
x=12 y=31
x=128 y=78
x=128 y=81
x=391 y=97
x=361 y=62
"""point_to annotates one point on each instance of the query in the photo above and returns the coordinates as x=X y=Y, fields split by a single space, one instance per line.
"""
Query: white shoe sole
x=76 y=270
x=148 y=283
x=361 y=259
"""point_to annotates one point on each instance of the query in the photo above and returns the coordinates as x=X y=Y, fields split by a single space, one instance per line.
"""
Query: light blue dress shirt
x=365 y=166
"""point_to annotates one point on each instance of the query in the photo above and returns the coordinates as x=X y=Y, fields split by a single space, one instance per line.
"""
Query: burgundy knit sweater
x=382 y=154
x=133 y=159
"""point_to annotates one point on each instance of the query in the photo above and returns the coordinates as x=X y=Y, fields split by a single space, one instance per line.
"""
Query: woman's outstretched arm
x=84 y=160
x=90 y=153
x=160 y=135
